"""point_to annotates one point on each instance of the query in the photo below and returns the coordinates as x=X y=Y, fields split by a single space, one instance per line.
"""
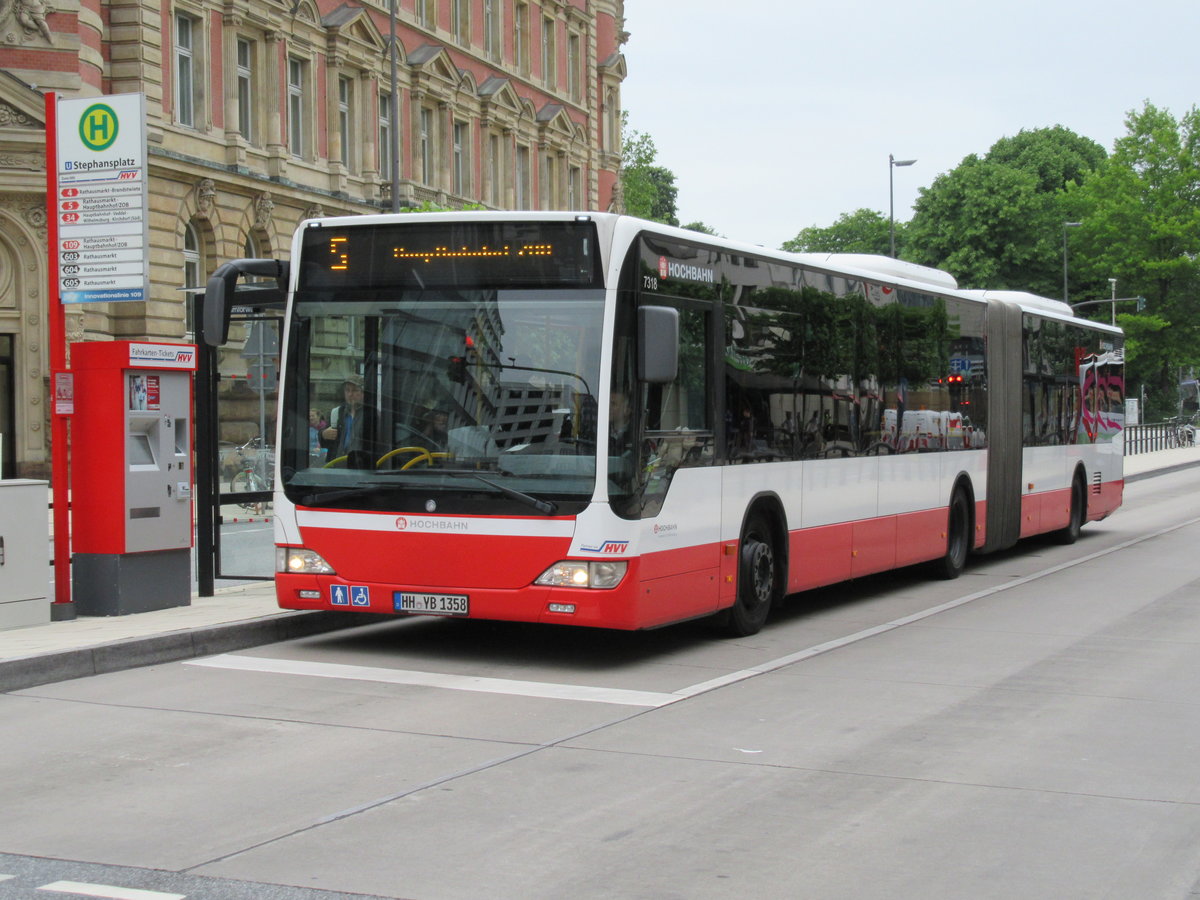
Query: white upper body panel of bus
x=620 y=231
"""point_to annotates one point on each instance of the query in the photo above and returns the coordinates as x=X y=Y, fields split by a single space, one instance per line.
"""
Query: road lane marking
x=800 y=655
x=108 y=891
x=646 y=699
x=474 y=683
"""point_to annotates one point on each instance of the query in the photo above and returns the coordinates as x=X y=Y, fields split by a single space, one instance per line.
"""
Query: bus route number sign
x=432 y=604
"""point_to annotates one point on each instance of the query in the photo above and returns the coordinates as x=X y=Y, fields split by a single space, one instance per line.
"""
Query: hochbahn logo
x=404 y=523
x=669 y=268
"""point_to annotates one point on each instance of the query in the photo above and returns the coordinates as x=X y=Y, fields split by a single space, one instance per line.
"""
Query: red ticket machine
x=131 y=478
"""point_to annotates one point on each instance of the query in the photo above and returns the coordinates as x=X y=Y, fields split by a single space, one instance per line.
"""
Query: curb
x=64 y=665
x=1166 y=470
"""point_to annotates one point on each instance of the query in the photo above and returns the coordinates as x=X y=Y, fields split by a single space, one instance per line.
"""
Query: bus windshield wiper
x=542 y=506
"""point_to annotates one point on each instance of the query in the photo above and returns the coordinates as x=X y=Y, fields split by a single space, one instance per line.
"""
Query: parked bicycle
x=1187 y=432
x=1181 y=433
x=256 y=470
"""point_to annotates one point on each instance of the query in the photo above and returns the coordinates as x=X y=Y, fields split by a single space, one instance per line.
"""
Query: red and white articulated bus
x=595 y=420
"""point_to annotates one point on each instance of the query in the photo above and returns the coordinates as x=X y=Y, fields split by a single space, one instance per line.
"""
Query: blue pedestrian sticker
x=339 y=595
x=360 y=595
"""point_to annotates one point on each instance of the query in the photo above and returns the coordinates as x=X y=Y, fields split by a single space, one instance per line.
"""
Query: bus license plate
x=432 y=604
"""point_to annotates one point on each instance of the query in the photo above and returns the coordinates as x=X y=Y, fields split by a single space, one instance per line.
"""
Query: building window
x=494 y=169
x=460 y=20
x=521 y=37
x=427 y=13
x=426 y=138
x=523 y=176
x=191 y=257
x=574 y=68
x=549 y=72
x=491 y=29
x=186 y=63
x=345 y=120
x=297 y=132
x=575 y=188
x=245 y=89
x=462 y=137
x=612 y=122
x=547 y=187
x=193 y=274
x=385 y=136
x=250 y=251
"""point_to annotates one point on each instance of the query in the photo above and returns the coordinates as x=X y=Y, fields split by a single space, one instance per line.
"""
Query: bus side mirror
x=219 y=292
x=658 y=344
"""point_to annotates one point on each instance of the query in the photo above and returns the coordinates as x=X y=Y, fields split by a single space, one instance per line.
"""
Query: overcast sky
x=776 y=115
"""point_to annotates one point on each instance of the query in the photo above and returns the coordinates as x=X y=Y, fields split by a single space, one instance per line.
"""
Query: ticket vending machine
x=131 y=476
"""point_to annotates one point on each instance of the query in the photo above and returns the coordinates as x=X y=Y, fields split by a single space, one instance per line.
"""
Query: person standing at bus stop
x=344 y=435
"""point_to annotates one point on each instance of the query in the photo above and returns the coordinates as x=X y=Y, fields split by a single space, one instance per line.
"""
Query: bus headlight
x=602 y=574
x=300 y=561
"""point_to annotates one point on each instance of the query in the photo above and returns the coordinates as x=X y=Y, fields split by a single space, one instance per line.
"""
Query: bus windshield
x=462 y=401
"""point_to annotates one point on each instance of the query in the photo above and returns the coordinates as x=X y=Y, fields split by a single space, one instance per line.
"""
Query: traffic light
x=457 y=369
x=1141 y=303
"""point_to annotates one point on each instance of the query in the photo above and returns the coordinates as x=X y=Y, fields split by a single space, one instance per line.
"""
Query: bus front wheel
x=757 y=580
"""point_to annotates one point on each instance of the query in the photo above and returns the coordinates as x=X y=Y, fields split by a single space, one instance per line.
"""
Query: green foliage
x=1056 y=156
x=648 y=189
x=862 y=231
x=701 y=228
x=1141 y=225
x=996 y=221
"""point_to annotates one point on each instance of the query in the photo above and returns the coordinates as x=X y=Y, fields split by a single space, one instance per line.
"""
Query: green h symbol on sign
x=98 y=127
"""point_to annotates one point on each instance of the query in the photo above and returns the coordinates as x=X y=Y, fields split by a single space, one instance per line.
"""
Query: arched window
x=612 y=123
x=192 y=269
x=193 y=276
x=250 y=251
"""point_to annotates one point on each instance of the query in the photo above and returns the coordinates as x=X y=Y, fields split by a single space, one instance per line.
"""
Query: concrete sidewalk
x=245 y=616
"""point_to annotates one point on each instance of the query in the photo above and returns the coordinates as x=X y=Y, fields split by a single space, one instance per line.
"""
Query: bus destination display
x=465 y=255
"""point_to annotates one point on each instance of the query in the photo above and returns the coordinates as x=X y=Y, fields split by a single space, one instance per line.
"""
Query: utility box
x=131 y=476
x=24 y=553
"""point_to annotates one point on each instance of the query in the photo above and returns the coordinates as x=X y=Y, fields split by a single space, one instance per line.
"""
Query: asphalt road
x=1029 y=730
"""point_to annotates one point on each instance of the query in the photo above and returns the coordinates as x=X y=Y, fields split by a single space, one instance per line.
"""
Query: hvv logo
x=607 y=547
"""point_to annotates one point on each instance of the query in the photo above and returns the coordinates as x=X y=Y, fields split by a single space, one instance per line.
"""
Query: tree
x=862 y=231
x=996 y=221
x=1140 y=215
x=648 y=190
x=1056 y=156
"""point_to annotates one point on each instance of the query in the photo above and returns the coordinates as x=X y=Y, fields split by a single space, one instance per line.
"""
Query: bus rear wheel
x=757 y=580
x=958 y=538
x=1070 y=534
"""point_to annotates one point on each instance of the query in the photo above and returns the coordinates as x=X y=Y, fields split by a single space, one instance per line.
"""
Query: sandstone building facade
x=264 y=112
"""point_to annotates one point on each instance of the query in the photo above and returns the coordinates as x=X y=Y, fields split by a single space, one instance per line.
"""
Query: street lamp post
x=394 y=115
x=1113 y=282
x=892 y=163
x=1066 y=225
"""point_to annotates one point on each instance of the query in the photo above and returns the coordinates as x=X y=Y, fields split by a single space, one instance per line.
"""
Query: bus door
x=236 y=410
x=679 y=484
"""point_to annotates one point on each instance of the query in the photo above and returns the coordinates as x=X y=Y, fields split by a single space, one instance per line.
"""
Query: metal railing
x=1159 y=436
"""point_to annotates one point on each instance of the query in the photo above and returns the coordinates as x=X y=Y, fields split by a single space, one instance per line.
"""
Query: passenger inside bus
x=434 y=431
